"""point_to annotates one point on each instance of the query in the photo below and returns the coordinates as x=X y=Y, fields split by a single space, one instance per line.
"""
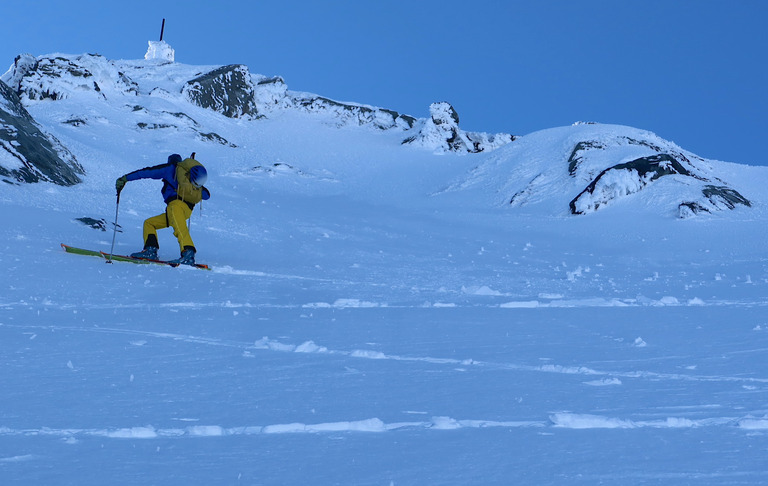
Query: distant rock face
x=228 y=90
x=353 y=114
x=29 y=155
x=625 y=178
x=713 y=198
x=441 y=133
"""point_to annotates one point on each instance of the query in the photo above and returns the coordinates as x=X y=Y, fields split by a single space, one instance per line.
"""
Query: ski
x=124 y=258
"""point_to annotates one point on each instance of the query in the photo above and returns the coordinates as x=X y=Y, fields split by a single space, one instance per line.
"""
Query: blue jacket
x=166 y=173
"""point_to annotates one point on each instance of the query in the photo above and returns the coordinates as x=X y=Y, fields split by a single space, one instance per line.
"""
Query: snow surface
x=376 y=314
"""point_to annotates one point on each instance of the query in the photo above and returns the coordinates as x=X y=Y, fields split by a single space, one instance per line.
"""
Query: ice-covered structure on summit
x=161 y=51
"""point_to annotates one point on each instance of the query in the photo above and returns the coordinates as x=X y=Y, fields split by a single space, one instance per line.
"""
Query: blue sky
x=692 y=71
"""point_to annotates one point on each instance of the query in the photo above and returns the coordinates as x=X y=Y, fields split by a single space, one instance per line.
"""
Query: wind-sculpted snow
x=62 y=77
x=374 y=425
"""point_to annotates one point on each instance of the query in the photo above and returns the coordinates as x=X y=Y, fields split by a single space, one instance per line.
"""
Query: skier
x=182 y=188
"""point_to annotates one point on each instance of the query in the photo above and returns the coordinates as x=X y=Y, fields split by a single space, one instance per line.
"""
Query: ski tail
x=81 y=251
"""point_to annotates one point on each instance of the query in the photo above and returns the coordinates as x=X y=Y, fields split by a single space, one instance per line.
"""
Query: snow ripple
x=586 y=421
x=564 y=420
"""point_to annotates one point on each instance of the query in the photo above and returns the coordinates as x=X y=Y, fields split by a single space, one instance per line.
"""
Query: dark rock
x=154 y=126
x=215 y=137
x=714 y=198
x=99 y=224
x=644 y=170
x=41 y=157
x=75 y=122
x=356 y=114
x=577 y=154
x=725 y=195
x=227 y=90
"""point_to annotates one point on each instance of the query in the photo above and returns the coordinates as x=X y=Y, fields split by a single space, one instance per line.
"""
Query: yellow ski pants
x=176 y=215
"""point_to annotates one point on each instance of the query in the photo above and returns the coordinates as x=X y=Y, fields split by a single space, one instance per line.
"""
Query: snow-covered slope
x=583 y=168
x=378 y=312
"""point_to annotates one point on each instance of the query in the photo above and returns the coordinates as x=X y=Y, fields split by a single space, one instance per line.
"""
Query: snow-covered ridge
x=61 y=76
x=578 y=169
x=232 y=91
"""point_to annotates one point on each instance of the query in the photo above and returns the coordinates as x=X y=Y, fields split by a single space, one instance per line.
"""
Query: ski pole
x=114 y=234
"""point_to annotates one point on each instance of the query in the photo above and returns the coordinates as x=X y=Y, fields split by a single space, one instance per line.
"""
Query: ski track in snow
x=346 y=303
x=554 y=420
x=310 y=347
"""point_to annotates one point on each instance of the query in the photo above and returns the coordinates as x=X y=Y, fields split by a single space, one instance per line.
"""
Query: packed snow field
x=377 y=315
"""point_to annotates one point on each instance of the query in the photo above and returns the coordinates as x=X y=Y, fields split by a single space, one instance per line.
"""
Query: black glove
x=120 y=183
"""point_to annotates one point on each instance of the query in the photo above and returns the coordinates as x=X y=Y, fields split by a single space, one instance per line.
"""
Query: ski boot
x=187 y=257
x=148 y=253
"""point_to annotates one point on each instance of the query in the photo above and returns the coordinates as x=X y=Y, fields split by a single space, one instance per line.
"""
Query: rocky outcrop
x=344 y=114
x=441 y=133
x=26 y=153
x=713 y=198
x=228 y=90
x=631 y=177
x=624 y=179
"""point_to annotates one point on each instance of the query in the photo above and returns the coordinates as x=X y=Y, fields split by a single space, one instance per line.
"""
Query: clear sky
x=692 y=71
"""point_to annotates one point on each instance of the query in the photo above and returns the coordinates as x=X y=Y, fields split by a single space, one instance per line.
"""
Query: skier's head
x=198 y=175
x=174 y=159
